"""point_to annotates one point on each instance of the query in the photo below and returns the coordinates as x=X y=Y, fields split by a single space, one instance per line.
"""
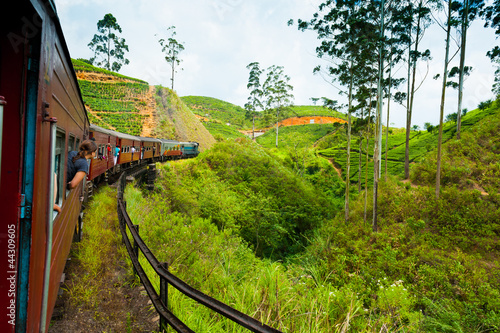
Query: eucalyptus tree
x=492 y=16
x=277 y=93
x=345 y=29
x=451 y=6
x=254 y=100
x=109 y=49
x=395 y=45
x=415 y=20
x=171 y=47
x=468 y=11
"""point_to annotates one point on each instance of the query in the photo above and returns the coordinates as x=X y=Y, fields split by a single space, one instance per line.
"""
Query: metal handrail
x=236 y=316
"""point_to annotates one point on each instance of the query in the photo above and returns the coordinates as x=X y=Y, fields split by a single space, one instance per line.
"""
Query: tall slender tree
x=417 y=19
x=277 y=93
x=469 y=10
x=378 y=127
x=345 y=29
x=172 y=47
x=449 y=25
x=109 y=49
x=492 y=16
x=255 y=99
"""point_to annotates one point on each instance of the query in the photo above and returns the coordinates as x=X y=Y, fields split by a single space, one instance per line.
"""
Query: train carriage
x=189 y=149
x=104 y=159
x=126 y=142
x=150 y=148
x=170 y=149
x=43 y=118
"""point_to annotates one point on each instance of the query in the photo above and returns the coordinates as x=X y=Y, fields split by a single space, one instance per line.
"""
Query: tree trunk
x=410 y=106
x=348 y=174
x=253 y=127
x=277 y=126
x=441 y=109
x=378 y=137
x=465 y=23
x=388 y=108
x=173 y=72
x=360 y=155
x=366 y=165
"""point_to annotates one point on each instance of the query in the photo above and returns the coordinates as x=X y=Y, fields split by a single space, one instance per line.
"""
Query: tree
x=469 y=10
x=492 y=16
x=109 y=49
x=415 y=19
x=254 y=100
x=171 y=47
x=348 y=38
x=277 y=94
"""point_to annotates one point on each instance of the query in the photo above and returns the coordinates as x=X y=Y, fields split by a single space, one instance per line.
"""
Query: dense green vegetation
x=176 y=121
x=83 y=66
x=114 y=104
x=295 y=136
x=432 y=267
x=313 y=110
x=222 y=131
x=421 y=143
x=215 y=109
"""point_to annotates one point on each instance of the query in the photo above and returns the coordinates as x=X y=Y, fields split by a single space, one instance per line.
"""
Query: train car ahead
x=189 y=149
x=42 y=118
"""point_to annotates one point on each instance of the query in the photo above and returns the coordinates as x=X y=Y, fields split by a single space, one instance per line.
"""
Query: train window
x=59 y=167
x=71 y=142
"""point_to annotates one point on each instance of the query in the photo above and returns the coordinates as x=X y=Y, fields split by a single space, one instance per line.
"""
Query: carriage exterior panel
x=44 y=119
x=59 y=96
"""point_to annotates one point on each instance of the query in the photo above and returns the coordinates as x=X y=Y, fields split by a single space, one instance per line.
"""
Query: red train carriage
x=104 y=158
x=150 y=148
x=43 y=119
x=126 y=142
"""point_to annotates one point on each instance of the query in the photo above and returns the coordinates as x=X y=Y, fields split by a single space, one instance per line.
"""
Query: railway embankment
x=100 y=292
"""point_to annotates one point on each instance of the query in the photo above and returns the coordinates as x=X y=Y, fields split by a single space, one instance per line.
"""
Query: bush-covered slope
x=218 y=110
x=176 y=121
x=421 y=144
x=238 y=186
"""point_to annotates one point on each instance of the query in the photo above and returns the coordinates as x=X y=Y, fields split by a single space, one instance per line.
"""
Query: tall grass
x=288 y=297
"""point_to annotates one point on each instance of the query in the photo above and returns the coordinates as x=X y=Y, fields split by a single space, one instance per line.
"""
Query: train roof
x=168 y=141
x=146 y=139
x=114 y=133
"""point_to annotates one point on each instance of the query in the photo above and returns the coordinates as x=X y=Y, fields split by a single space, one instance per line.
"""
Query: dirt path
x=120 y=304
x=149 y=111
x=339 y=172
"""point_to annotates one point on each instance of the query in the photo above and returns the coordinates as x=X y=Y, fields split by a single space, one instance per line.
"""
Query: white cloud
x=221 y=37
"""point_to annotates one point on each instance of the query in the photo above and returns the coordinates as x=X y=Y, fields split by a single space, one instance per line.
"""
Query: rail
x=160 y=302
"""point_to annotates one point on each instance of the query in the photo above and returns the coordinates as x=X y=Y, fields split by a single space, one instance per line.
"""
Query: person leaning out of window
x=78 y=167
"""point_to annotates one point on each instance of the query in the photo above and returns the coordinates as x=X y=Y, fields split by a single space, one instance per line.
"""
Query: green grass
x=216 y=109
x=421 y=144
x=222 y=131
x=313 y=110
x=295 y=136
x=79 y=65
x=291 y=298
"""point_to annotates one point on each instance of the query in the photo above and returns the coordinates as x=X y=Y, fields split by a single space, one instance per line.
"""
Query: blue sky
x=221 y=37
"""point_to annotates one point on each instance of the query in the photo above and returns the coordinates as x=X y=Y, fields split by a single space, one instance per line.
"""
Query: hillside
x=132 y=106
x=422 y=143
x=176 y=121
x=433 y=266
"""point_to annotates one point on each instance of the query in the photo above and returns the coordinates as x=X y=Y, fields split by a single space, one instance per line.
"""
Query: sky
x=221 y=37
